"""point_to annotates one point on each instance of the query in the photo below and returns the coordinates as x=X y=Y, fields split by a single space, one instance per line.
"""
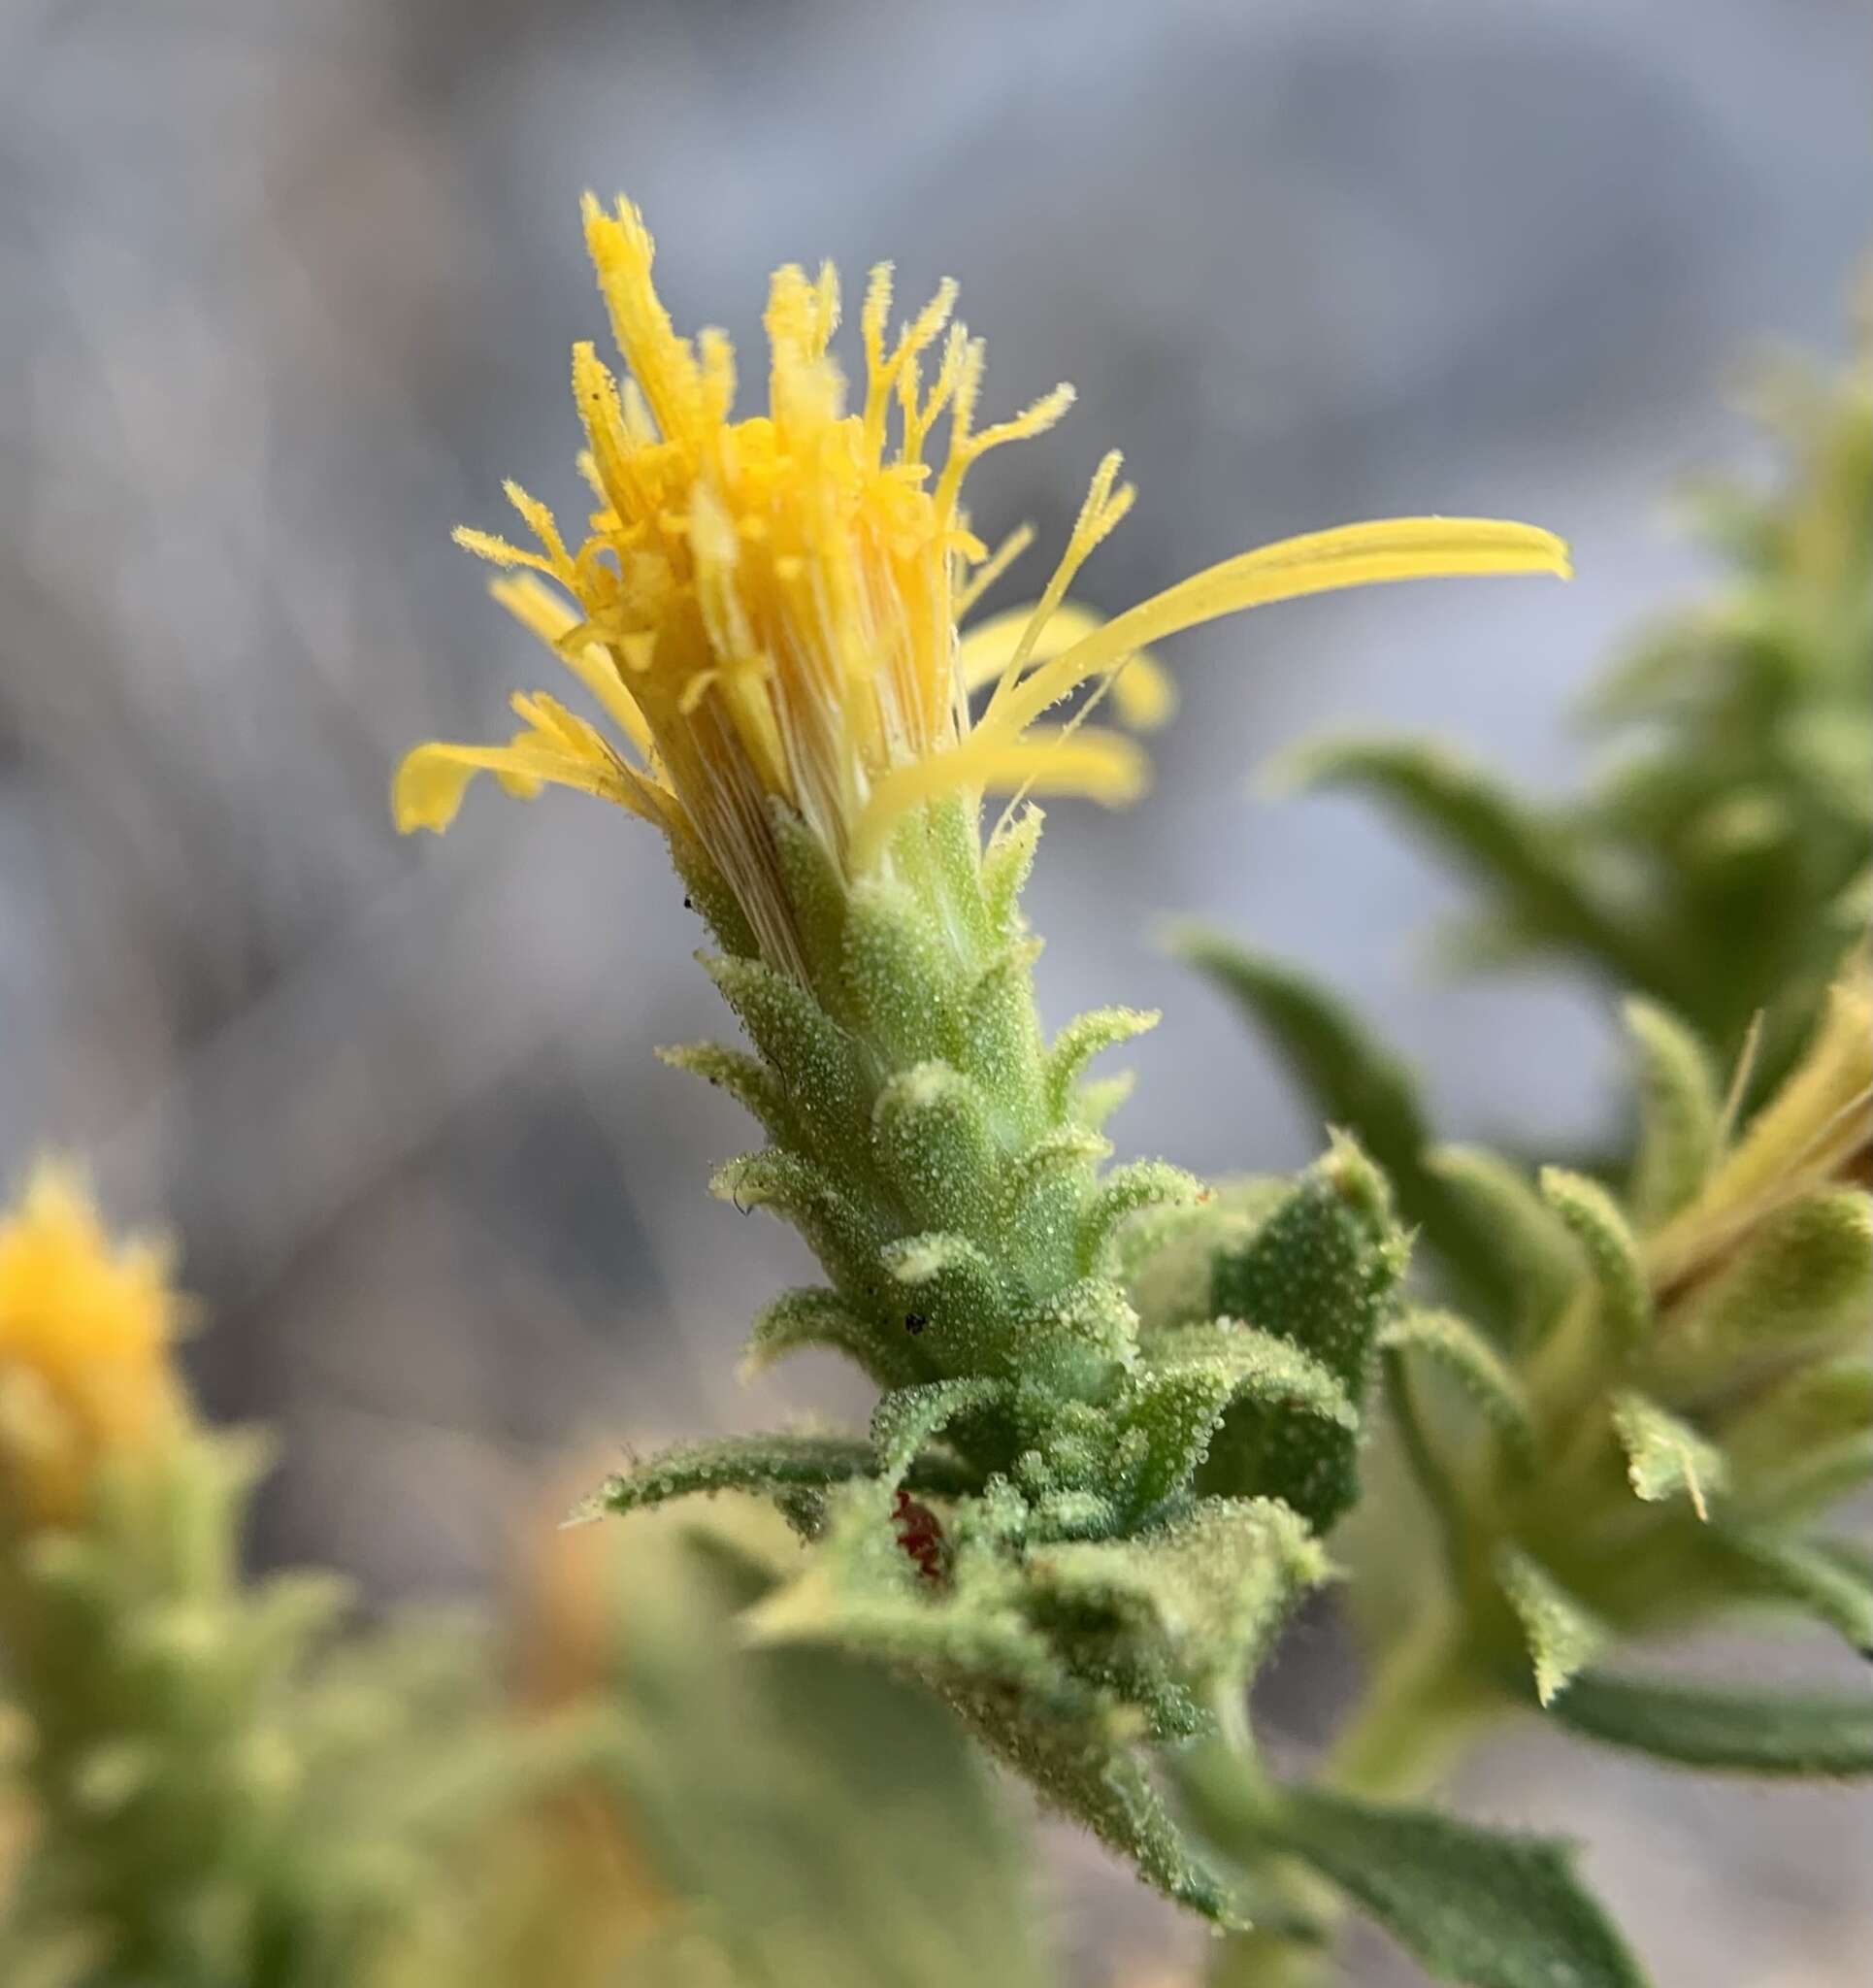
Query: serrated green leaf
x=1068 y=1150
x=1457 y=1349
x=1680 y=1113
x=1665 y=1455
x=1563 y=1635
x=1772 y=1732
x=1472 y=1905
x=1096 y=1100
x=1804 y=1441
x=1197 y=1373
x=1171 y=1416
x=953 y=1298
x=1816 y=1407
x=1001 y=1046
x=862 y=1592
x=1594 y=1221
x=1166 y=1257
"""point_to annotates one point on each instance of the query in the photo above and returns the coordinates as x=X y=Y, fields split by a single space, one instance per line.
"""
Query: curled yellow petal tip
x=427 y=788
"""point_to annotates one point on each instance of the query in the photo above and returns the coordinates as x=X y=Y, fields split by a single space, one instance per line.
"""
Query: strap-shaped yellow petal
x=543 y=613
x=1142 y=692
x=1317 y=562
x=1089 y=760
x=427 y=788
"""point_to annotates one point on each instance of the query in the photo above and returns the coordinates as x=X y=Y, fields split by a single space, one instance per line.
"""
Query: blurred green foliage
x=1719 y=860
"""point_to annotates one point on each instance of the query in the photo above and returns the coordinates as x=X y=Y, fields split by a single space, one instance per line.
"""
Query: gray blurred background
x=287 y=285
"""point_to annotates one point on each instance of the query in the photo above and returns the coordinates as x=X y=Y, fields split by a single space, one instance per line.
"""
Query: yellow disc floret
x=86 y=1332
x=767 y=609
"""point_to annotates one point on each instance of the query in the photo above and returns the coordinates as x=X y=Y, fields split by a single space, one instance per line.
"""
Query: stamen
x=992 y=567
x=1099 y=513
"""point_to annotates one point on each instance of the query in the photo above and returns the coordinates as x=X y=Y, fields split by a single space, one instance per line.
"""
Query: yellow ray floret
x=87 y=1335
x=767 y=609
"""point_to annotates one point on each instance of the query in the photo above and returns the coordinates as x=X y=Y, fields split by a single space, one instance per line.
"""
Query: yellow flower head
x=85 y=1334
x=767 y=609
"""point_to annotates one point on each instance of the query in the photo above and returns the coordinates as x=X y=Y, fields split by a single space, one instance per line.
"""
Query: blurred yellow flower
x=86 y=1327
x=767 y=609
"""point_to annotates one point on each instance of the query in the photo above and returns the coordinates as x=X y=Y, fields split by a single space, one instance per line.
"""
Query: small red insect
x=920 y=1534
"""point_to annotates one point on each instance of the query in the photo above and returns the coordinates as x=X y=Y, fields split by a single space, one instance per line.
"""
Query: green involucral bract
x=1082 y=1527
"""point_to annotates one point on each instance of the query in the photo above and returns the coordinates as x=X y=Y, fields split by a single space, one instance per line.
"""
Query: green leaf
x=899 y=973
x=1562 y=1636
x=1356 y=1082
x=1000 y=1044
x=1171 y=1415
x=1082 y=1776
x=1519 y=854
x=1828 y=1581
x=1680 y=1113
x=1786 y=1733
x=1472 y=1905
x=1595 y=1220
x=746 y=1463
x=773 y=1795
x=954 y=1298
x=1457 y=1349
x=1665 y=1455
x=1817 y=1406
